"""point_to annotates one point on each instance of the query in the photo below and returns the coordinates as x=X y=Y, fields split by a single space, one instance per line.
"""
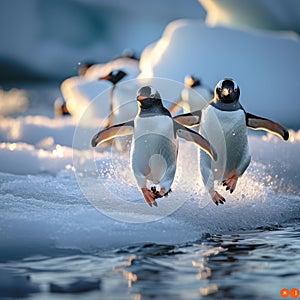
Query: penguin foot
x=167 y=193
x=230 y=183
x=217 y=198
x=155 y=191
x=161 y=193
x=149 y=197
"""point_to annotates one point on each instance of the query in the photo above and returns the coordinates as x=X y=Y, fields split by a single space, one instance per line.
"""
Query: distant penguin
x=154 y=147
x=80 y=91
x=233 y=152
x=121 y=109
x=193 y=96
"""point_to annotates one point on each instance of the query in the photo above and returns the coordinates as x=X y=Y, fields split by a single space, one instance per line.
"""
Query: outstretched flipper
x=195 y=137
x=112 y=132
x=256 y=123
x=189 y=119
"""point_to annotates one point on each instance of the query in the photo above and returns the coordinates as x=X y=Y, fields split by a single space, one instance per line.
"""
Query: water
x=254 y=264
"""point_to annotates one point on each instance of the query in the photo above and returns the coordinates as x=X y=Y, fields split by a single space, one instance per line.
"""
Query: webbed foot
x=217 y=198
x=149 y=197
x=230 y=183
x=161 y=193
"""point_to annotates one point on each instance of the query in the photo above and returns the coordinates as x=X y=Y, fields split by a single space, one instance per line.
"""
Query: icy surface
x=47 y=208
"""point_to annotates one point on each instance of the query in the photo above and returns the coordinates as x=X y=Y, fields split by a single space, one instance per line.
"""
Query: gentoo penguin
x=193 y=90
x=230 y=142
x=86 y=90
x=121 y=110
x=114 y=77
x=155 y=144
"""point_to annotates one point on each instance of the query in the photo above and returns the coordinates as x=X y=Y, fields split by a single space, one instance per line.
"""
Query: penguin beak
x=226 y=91
x=106 y=77
x=141 y=98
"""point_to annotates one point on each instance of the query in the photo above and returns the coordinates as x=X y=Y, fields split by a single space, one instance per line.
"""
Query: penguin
x=80 y=91
x=121 y=110
x=231 y=142
x=114 y=77
x=154 y=147
x=193 y=90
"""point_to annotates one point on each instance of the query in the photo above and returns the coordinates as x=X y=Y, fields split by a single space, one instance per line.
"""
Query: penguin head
x=227 y=91
x=192 y=81
x=147 y=96
x=114 y=76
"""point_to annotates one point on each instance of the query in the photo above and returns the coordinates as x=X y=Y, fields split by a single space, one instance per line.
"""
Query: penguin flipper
x=189 y=119
x=256 y=123
x=112 y=132
x=198 y=139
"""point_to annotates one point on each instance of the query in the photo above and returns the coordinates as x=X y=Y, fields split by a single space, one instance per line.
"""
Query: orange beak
x=141 y=98
x=106 y=77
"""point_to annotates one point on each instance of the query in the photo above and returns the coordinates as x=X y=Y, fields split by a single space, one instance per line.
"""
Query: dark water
x=246 y=265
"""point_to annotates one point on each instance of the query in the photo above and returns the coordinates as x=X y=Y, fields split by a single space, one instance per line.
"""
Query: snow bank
x=13 y=101
x=21 y=158
x=263 y=14
x=34 y=129
x=264 y=65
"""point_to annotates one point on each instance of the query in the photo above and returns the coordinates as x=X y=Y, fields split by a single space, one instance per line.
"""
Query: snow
x=52 y=195
x=263 y=14
x=13 y=101
x=46 y=210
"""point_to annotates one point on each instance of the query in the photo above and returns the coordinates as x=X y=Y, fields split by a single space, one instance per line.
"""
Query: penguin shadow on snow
x=229 y=139
x=154 y=147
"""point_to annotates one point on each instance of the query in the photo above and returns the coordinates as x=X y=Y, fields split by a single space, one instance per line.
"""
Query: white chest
x=161 y=125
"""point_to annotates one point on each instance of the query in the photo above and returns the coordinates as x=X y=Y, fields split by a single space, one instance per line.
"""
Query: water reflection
x=252 y=265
